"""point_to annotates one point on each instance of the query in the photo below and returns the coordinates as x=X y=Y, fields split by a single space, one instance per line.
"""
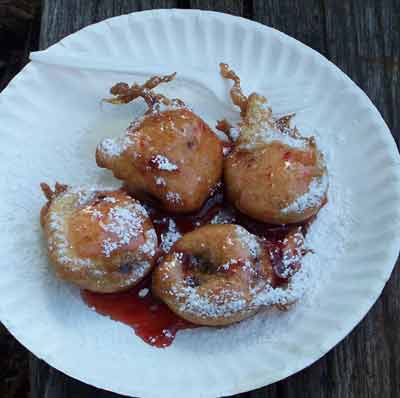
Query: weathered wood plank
x=364 y=42
x=14 y=382
x=19 y=34
x=63 y=17
x=302 y=20
x=235 y=7
x=47 y=382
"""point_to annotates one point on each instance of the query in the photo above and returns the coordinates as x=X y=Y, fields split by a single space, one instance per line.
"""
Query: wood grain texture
x=14 y=381
x=363 y=38
x=304 y=20
x=235 y=7
x=47 y=382
x=19 y=34
x=63 y=17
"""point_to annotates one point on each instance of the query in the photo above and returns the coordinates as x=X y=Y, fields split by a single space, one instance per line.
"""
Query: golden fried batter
x=102 y=241
x=273 y=174
x=213 y=275
x=170 y=156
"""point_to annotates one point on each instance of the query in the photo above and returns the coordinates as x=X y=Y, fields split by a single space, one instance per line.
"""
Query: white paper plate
x=51 y=121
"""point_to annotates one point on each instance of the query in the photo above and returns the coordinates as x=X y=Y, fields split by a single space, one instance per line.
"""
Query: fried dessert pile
x=215 y=272
x=274 y=174
x=102 y=241
x=170 y=156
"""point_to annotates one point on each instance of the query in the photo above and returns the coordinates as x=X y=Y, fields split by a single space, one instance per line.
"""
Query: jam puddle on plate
x=151 y=319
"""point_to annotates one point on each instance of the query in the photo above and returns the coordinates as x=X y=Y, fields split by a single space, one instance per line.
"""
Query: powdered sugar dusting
x=174 y=104
x=160 y=181
x=173 y=197
x=205 y=302
x=261 y=128
x=297 y=289
x=249 y=240
x=225 y=303
x=224 y=216
x=228 y=264
x=84 y=196
x=169 y=238
x=110 y=199
x=139 y=269
x=59 y=244
x=234 y=133
x=150 y=244
x=143 y=292
x=291 y=258
x=313 y=197
x=125 y=224
x=267 y=135
x=163 y=163
x=114 y=147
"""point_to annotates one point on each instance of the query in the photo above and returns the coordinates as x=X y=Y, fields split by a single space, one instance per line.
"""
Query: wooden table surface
x=362 y=37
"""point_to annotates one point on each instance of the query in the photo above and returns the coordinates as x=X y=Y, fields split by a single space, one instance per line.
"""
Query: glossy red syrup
x=151 y=319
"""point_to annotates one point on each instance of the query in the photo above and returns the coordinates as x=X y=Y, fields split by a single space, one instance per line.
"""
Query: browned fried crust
x=208 y=248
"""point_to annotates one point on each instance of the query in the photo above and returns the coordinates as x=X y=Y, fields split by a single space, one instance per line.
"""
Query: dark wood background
x=362 y=37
